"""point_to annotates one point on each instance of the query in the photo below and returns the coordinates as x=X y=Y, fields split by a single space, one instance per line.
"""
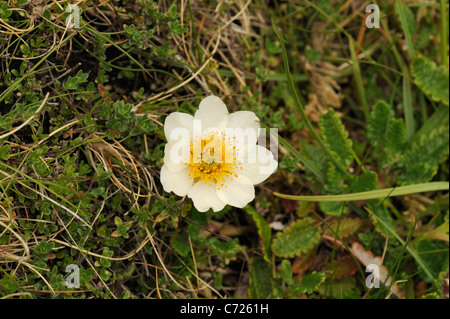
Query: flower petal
x=211 y=113
x=178 y=125
x=177 y=182
x=237 y=191
x=258 y=164
x=176 y=154
x=243 y=124
x=204 y=197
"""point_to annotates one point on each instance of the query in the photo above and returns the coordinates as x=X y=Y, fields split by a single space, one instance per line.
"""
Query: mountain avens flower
x=213 y=157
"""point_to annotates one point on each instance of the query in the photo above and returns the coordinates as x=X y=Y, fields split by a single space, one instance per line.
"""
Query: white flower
x=213 y=157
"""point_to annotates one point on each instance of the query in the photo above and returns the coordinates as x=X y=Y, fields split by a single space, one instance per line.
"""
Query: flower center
x=212 y=159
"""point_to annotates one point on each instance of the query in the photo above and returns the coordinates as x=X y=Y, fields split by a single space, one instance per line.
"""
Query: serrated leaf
x=73 y=82
x=423 y=157
x=335 y=137
x=347 y=227
x=381 y=212
x=312 y=282
x=264 y=232
x=378 y=122
x=435 y=254
x=335 y=185
x=334 y=208
x=226 y=249
x=180 y=247
x=335 y=181
x=367 y=181
x=395 y=136
x=299 y=237
x=431 y=79
x=385 y=130
x=338 y=288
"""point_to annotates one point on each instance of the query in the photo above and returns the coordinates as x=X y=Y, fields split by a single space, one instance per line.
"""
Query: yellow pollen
x=212 y=159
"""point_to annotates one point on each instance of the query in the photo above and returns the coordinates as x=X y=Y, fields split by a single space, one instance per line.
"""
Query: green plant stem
x=379 y=193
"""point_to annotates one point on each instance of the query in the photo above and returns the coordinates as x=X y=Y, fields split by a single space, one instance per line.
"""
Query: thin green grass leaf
x=379 y=193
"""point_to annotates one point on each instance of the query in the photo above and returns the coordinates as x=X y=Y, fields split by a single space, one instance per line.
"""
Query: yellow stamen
x=212 y=159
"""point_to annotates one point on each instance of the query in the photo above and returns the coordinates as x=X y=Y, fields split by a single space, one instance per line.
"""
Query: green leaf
x=261 y=280
x=107 y=252
x=96 y=192
x=4 y=11
x=439 y=118
x=8 y=284
x=347 y=227
x=44 y=247
x=381 y=213
x=408 y=23
x=335 y=137
x=73 y=82
x=336 y=140
x=384 y=129
x=181 y=247
x=367 y=181
x=333 y=208
x=335 y=185
x=422 y=158
x=103 y=261
x=118 y=221
x=338 y=288
x=299 y=237
x=226 y=249
x=264 y=231
x=286 y=272
x=431 y=79
x=377 y=125
x=335 y=181
x=4 y=152
x=395 y=136
x=408 y=108
x=312 y=282
x=435 y=255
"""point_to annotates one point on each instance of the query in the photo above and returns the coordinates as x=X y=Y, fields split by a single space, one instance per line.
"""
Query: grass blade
x=408 y=107
x=401 y=12
x=358 y=79
x=379 y=193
